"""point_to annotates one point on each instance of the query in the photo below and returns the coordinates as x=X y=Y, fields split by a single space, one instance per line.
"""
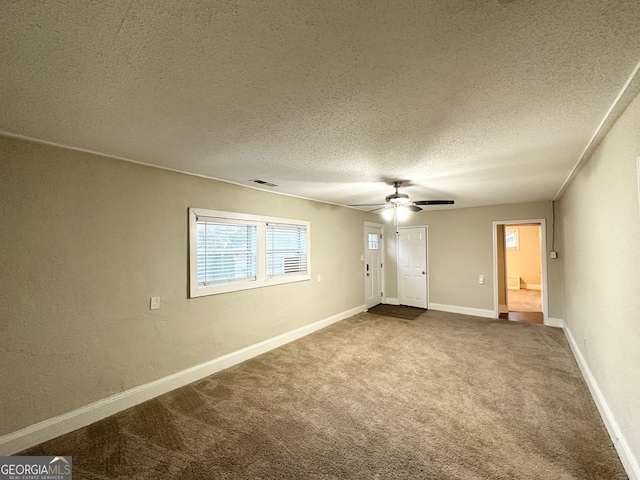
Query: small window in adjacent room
x=511 y=239
x=373 y=241
x=233 y=251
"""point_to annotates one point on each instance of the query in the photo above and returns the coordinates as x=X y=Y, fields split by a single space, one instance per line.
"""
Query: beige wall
x=525 y=261
x=598 y=244
x=461 y=248
x=86 y=240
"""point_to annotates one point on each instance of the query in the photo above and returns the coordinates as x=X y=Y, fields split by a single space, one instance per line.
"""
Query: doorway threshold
x=527 y=317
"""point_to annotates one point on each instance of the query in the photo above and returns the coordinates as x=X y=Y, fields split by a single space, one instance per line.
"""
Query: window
x=286 y=249
x=373 y=241
x=511 y=239
x=226 y=252
x=233 y=251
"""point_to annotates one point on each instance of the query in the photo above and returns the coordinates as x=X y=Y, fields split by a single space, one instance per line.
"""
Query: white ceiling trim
x=616 y=109
x=5 y=133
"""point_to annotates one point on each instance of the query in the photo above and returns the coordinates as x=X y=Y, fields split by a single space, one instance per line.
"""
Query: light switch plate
x=154 y=304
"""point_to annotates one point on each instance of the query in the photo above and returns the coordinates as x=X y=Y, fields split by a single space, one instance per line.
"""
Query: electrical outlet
x=154 y=304
x=553 y=254
x=319 y=278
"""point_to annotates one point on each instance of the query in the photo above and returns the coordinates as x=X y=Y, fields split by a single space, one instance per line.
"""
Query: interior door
x=412 y=266
x=372 y=265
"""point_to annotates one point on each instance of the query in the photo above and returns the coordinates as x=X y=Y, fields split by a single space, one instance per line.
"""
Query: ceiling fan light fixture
x=387 y=213
x=403 y=213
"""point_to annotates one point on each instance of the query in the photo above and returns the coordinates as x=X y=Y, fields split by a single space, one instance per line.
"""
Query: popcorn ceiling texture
x=484 y=102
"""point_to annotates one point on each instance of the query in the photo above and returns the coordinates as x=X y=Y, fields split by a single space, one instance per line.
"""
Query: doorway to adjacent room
x=520 y=270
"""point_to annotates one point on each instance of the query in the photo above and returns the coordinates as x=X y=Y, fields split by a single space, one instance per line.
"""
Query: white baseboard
x=478 y=312
x=83 y=416
x=391 y=301
x=531 y=286
x=627 y=457
x=554 y=322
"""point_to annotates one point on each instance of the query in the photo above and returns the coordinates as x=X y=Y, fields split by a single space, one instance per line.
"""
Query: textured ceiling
x=482 y=102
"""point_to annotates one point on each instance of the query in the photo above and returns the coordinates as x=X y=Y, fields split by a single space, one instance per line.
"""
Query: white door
x=412 y=266
x=372 y=265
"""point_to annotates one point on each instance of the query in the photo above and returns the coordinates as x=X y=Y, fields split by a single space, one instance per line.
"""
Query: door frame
x=543 y=254
x=426 y=251
x=382 y=258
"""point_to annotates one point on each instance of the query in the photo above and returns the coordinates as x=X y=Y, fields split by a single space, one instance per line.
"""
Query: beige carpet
x=444 y=396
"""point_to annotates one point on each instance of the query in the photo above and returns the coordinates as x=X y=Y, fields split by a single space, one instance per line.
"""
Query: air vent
x=262 y=182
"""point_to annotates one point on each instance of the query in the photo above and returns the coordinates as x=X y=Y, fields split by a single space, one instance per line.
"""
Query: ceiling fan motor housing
x=399 y=198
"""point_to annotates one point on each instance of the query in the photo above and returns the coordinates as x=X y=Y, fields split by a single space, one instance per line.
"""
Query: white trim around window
x=250 y=258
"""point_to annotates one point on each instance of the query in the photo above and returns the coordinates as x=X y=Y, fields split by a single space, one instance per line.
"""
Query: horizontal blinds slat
x=226 y=252
x=286 y=249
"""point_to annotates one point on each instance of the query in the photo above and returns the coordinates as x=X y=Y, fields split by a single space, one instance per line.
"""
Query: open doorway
x=520 y=270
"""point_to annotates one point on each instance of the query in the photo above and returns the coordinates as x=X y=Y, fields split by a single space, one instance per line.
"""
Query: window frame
x=516 y=238
x=371 y=243
x=298 y=254
x=262 y=278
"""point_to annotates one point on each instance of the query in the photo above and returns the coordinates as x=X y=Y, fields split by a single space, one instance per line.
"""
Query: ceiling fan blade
x=383 y=207
x=434 y=202
x=414 y=208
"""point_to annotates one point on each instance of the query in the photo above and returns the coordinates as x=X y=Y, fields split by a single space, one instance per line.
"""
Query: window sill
x=238 y=287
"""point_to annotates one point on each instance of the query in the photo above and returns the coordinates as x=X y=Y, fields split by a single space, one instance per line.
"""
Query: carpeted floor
x=443 y=397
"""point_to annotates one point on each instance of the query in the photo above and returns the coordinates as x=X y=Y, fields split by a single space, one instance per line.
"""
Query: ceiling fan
x=398 y=199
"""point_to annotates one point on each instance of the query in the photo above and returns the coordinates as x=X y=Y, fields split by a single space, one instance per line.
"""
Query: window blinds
x=286 y=249
x=226 y=252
